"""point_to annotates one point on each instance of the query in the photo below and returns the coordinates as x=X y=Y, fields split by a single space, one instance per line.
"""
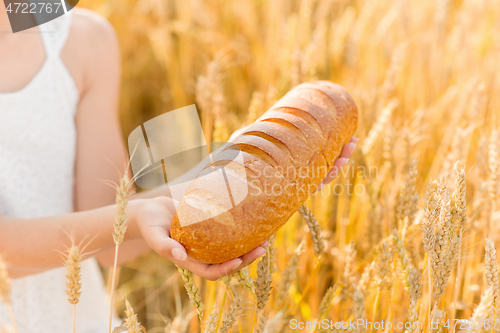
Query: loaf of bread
x=283 y=156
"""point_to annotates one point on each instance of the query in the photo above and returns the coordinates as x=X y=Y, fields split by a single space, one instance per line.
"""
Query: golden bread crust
x=286 y=153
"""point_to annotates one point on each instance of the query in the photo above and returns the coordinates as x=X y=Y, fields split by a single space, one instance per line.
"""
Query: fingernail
x=320 y=187
x=343 y=161
x=351 y=145
x=179 y=254
x=237 y=263
x=265 y=244
x=261 y=251
x=355 y=139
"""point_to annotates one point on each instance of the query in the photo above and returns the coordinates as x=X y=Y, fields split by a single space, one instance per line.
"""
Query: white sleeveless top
x=37 y=155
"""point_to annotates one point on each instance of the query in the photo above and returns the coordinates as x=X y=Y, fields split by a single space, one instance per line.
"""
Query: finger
x=249 y=258
x=196 y=267
x=216 y=271
x=334 y=172
x=347 y=150
x=343 y=159
x=159 y=240
x=265 y=243
x=234 y=265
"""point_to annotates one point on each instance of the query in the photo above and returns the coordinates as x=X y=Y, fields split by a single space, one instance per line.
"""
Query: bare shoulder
x=91 y=49
x=91 y=26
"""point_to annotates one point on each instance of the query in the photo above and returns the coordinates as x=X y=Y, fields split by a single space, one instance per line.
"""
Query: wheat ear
x=408 y=199
x=378 y=127
x=364 y=281
x=427 y=227
x=485 y=309
x=192 y=290
x=263 y=282
x=412 y=278
x=131 y=322
x=256 y=107
x=492 y=270
x=5 y=290
x=442 y=266
x=262 y=286
x=124 y=191
x=314 y=229
x=73 y=259
x=382 y=267
x=246 y=280
x=493 y=181
x=274 y=324
x=211 y=322
x=261 y=324
x=358 y=312
x=459 y=221
x=289 y=275
x=234 y=312
x=326 y=301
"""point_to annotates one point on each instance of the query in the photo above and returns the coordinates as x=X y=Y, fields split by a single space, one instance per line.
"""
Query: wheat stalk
x=350 y=257
x=358 y=311
x=124 y=191
x=73 y=259
x=459 y=221
x=485 y=309
x=411 y=277
x=326 y=301
x=263 y=283
x=5 y=292
x=256 y=107
x=494 y=164
x=234 y=312
x=274 y=324
x=490 y=265
x=211 y=322
x=382 y=267
x=408 y=199
x=314 y=229
x=288 y=278
x=442 y=264
x=5 y=282
x=210 y=96
x=131 y=322
x=261 y=324
x=378 y=127
x=246 y=280
x=192 y=290
x=364 y=281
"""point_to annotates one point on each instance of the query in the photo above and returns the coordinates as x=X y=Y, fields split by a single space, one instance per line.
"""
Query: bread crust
x=286 y=153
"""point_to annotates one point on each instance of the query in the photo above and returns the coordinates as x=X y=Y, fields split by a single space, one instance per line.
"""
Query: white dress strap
x=55 y=33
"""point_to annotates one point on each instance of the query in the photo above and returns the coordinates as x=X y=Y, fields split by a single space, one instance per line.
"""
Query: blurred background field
x=425 y=77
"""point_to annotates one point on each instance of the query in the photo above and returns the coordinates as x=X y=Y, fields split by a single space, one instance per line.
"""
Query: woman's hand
x=342 y=161
x=151 y=219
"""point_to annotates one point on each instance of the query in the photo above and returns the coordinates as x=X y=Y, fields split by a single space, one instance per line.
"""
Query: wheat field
x=407 y=233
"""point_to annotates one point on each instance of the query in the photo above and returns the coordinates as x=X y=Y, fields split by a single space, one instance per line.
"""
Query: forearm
x=129 y=250
x=34 y=245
